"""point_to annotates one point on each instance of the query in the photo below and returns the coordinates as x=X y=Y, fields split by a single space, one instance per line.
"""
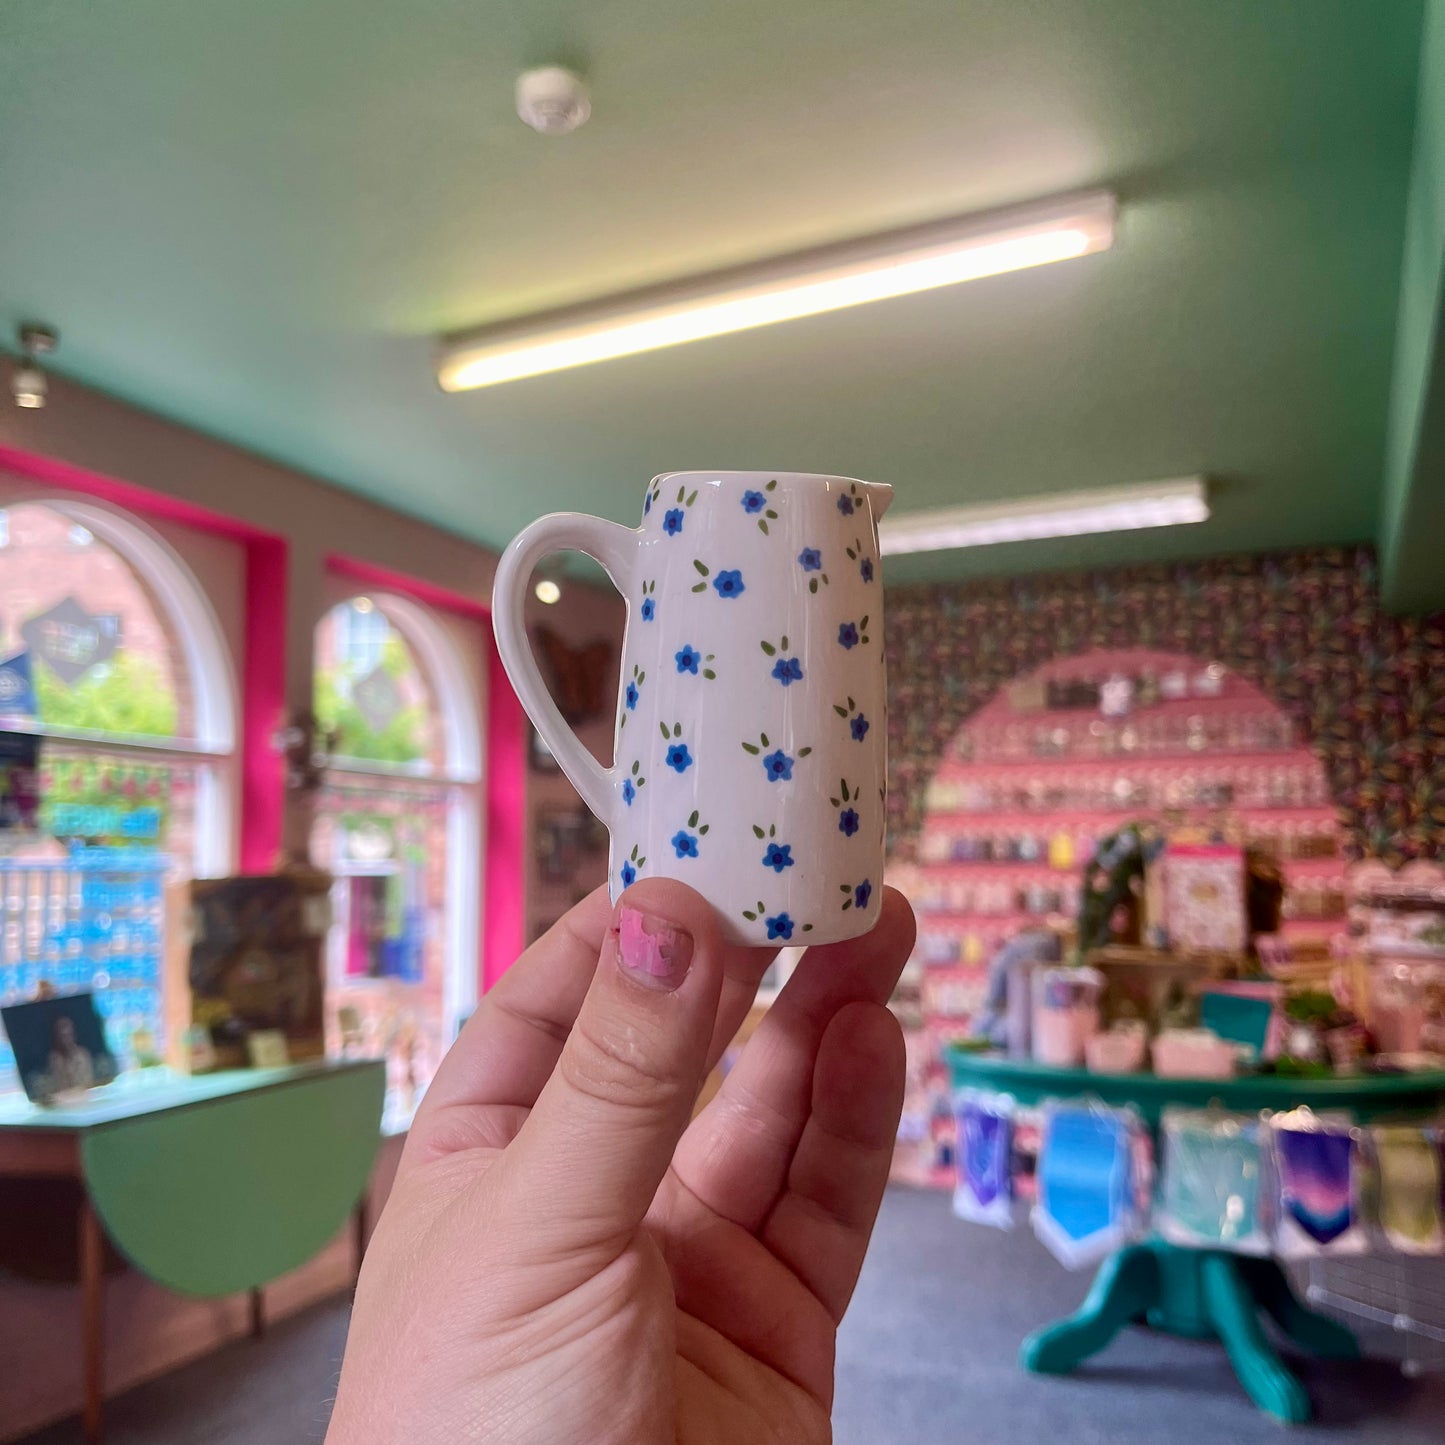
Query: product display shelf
x=1199 y=1293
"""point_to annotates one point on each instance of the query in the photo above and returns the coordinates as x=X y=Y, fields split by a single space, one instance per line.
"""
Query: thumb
x=586 y=1164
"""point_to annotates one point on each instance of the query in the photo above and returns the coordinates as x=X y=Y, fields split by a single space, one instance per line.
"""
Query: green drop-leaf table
x=1199 y=1293
x=209 y=1185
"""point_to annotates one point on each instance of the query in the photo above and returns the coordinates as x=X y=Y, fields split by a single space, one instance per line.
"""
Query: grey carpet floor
x=927 y=1356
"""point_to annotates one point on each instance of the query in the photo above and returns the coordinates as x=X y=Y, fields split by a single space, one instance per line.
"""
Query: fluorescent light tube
x=1170 y=503
x=897 y=263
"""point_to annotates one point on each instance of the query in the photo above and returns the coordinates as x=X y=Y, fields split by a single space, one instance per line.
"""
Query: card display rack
x=92 y=919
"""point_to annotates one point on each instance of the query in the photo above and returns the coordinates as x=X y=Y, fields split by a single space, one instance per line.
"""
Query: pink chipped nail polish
x=652 y=950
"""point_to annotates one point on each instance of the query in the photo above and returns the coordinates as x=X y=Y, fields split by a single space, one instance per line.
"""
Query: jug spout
x=880 y=495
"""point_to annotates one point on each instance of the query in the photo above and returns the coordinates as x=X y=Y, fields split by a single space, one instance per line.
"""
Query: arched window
x=115 y=673
x=398 y=825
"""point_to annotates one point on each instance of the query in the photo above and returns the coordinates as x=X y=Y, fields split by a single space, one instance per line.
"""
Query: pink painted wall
x=294 y=528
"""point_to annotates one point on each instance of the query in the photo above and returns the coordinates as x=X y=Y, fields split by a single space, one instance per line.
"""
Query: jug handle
x=615 y=547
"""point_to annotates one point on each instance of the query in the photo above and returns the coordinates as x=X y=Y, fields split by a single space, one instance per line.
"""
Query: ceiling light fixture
x=1171 y=503
x=28 y=383
x=808 y=283
x=548 y=592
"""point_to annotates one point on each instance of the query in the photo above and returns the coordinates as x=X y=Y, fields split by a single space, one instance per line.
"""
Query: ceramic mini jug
x=750 y=755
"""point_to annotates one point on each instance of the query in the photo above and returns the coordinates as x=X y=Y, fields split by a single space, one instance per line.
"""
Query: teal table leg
x=1233 y=1310
x=1126 y=1286
x=1314 y=1333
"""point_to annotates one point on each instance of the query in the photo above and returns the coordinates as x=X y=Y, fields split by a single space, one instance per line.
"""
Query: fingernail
x=651 y=950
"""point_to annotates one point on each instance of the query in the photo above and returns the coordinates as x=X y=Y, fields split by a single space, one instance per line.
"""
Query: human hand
x=564 y=1258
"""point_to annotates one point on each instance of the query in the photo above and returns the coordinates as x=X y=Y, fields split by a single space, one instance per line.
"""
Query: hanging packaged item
x=983 y=1193
x=1318 y=1168
x=1087 y=1189
x=1410 y=1183
x=1214 y=1191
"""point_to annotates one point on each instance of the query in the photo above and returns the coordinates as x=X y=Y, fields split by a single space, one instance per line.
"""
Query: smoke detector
x=552 y=100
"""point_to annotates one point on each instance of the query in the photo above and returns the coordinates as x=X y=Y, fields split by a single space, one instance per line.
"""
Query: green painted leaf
x=840 y=710
x=864 y=622
x=852 y=555
x=763 y=528
x=709 y=673
x=771 y=485
x=812 y=584
x=751 y=748
x=692 y=499
x=704 y=828
x=750 y=915
x=701 y=587
x=807 y=928
x=663 y=727
x=847 y=905
x=784 y=643
x=681 y=492
x=700 y=565
x=769 y=649
x=758 y=831
x=851 y=704
x=763 y=737
x=803 y=752
x=771 y=515
x=692 y=819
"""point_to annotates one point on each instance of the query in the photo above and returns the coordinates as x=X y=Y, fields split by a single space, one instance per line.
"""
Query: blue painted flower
x=848 y=822
x=778 y=766
x=649 y=609
x=628 y=875
x=729 y=584
x=865 y=568
x=672 y=521
x=754 y=501
x=810 y=559
x=862 y=893
x=845 y=505
x=632 y=697
x=684 y=844
x=688 y=659
x=859 y=728
x=788 y=670
x=779 y=926
x=778 y=856
x=848 y=634
x=628 y=791
x=678 y=757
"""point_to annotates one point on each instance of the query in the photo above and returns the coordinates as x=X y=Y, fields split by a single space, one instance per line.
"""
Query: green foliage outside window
x=402 y=740
x=127 y=695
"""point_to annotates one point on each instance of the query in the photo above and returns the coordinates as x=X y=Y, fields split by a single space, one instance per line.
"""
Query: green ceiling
x=254 y=217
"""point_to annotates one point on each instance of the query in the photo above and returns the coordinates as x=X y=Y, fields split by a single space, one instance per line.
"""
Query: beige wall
x=149 y=1330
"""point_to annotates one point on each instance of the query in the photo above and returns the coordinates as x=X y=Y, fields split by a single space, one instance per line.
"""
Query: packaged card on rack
x=1214 y=1187
x=1318 y=1168
x=1409 y=1164
x=1087 y=1195
x=983 y=1192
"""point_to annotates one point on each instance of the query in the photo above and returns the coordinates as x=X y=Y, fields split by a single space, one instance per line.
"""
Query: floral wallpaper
x=1366 y=689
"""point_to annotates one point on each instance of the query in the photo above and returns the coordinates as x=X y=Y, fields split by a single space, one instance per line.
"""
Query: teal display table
x=1198 y=1293
x=210 y=1185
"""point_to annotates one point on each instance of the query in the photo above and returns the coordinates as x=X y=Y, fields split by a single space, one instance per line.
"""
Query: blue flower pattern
x=778 y=763
x=779 y=926
x=778 y=766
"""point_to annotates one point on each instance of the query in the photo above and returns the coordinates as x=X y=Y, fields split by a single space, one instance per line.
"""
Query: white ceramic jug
x=750 y=757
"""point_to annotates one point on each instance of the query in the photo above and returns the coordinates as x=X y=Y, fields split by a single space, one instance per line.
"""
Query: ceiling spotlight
x=28 y=384
x=552 y=100
x=548 y=591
